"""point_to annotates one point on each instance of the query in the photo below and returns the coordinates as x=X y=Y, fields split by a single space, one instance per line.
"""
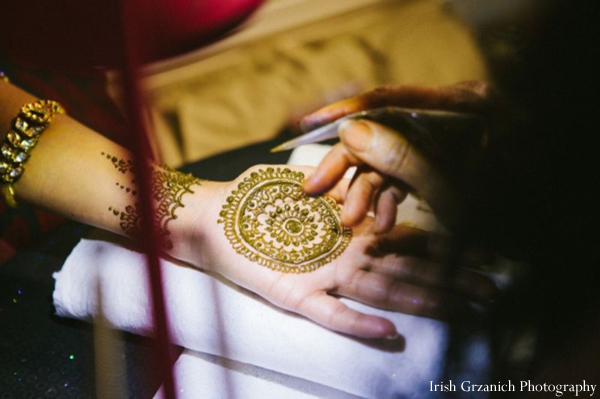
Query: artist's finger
x=370 y=191
x=473 y=96
x=427 y=273
x=380 y=291
x=363 y=190
x=411 y=241
x=467 y=96
x=333 y=314
x=388 y=152
x=386 y=207
x=330 y=171
x=402 y=240
x=328 y=177
x=339 y=191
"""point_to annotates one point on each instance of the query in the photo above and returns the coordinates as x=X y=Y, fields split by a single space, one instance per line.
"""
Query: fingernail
x=392 y=337
x=356 y=135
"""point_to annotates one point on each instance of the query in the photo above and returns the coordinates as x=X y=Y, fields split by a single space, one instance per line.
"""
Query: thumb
x=391 y=154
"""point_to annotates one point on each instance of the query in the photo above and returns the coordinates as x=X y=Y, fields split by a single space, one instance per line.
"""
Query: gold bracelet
x=8 y=195
x=24 y=134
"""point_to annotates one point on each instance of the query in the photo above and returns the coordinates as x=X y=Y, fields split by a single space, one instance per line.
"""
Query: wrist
x=194 y=223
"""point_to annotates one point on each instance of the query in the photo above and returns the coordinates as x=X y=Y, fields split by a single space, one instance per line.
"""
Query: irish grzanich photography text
x=557 y=389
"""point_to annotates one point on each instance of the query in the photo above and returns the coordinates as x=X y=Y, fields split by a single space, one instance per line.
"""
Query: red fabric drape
x=78 y=35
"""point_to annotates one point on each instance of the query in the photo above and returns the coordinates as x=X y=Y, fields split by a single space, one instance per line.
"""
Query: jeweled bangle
x=16 y=148
x=8 y=195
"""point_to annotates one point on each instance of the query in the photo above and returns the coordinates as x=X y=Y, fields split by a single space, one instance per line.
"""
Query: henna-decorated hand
x=388 y=165
x=389 y=271
x=84 y=176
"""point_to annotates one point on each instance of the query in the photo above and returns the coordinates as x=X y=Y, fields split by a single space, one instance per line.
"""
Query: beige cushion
x=246 y=92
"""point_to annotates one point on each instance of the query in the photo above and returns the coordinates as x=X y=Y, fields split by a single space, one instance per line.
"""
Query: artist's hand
x=393 y=271
x=388 y=166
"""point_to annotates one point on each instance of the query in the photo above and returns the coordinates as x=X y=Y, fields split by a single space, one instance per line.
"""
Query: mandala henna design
x=270 y=220
x=168 y=188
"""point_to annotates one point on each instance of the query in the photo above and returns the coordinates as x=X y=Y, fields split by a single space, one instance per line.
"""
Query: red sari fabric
x=58 y=50
x=78 y=35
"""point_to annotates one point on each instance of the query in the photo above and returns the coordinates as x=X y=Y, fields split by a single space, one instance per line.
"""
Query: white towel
x=212 y=316
x=203 y=376
x=209 y=315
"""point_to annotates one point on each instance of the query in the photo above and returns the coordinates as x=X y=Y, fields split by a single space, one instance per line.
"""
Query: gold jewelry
x=271 y=221
x=3 y=77
x=24 y=134
x=8 y=195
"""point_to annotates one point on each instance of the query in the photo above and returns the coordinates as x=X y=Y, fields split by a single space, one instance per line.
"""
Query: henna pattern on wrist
x=168 y=188
x=271 y=221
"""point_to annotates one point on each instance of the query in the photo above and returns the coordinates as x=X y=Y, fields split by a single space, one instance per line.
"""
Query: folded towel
x=200 y=375
x=210 y=315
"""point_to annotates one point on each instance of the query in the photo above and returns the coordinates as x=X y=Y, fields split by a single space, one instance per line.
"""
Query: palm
x=369 y=270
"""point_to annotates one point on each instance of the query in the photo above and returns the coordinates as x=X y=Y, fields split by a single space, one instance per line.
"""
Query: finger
x=330 y=171
x=339 y=191
x=391 y=154
x=383 y=292
x=385 y=150
x=426 y=273
x=401 y=240
x=411 y=241
x=333 y=314
x=386 y=207
x=331 y=112
x=360 y=197
x=467 y=96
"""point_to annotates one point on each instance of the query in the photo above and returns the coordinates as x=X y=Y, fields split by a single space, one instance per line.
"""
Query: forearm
x=78 y=173
x=66 y=172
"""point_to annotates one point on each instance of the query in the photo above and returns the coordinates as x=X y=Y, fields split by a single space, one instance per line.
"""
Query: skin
x=388 y=166
x=68 y=174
